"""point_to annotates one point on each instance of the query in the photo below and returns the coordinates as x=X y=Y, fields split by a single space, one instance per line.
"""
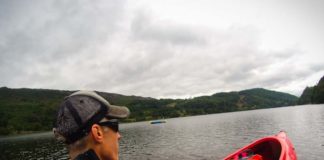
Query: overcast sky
x=162 y=48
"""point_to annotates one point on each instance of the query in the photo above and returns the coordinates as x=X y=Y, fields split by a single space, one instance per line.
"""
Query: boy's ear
x=97 y=133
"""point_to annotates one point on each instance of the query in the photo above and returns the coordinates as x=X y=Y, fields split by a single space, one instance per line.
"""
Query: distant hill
x=24 y=110
x=27 y=110
x=237 y=101
x=313 y=95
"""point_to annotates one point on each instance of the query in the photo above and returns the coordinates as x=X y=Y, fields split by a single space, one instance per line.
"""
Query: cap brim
x=118 y=112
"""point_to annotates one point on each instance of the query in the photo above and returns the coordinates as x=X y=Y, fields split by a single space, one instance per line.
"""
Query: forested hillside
x=28 y=110
x=313 y=95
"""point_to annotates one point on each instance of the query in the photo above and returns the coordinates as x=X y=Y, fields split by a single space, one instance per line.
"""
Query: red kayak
x=277 y=147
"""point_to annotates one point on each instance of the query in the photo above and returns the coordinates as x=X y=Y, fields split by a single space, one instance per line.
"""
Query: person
x=88 y=124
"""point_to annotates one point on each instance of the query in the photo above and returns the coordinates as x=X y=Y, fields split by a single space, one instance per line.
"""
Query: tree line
x=313 y=94
x=29 y=110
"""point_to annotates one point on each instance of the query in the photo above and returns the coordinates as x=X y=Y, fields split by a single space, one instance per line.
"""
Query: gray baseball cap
x=79 y=111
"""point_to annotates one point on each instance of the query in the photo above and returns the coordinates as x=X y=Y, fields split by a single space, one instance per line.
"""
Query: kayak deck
x=277 y=147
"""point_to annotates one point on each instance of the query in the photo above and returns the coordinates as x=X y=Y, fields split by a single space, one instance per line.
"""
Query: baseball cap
x=79 y=111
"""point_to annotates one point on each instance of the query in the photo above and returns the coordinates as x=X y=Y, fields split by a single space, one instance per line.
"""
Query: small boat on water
x=158 y=121
x=276 y=147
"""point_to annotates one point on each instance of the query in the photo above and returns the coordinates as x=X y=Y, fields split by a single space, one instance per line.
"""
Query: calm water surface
x=208 y=137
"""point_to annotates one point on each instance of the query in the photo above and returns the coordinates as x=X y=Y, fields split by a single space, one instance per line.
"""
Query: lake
x=207 y=137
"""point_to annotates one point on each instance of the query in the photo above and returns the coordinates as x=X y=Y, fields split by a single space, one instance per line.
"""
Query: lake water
x=208 y=137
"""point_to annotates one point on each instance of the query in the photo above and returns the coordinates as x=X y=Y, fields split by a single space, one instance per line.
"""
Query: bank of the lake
x=206 y=137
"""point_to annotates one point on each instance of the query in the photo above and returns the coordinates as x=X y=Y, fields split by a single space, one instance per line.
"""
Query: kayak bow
x=276 y=147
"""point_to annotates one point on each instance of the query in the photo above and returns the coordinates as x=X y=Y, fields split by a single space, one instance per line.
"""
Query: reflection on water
x=34 y=146
x=206 y=137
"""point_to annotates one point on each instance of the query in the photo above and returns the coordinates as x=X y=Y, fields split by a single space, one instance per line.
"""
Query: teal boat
x=157 y=121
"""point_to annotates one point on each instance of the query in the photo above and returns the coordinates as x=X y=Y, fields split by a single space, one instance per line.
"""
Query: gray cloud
x=48 y=34
x=56 y=28
x=144 y=28
x=101 y=46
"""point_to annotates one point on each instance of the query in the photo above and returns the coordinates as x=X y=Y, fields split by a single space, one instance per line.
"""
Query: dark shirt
x=88 y=155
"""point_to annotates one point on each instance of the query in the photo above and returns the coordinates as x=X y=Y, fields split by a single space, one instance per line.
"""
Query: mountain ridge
x=313 y=94
x=26 y=109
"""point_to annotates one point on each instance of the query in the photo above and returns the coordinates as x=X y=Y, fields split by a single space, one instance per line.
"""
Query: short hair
x=78 y=145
